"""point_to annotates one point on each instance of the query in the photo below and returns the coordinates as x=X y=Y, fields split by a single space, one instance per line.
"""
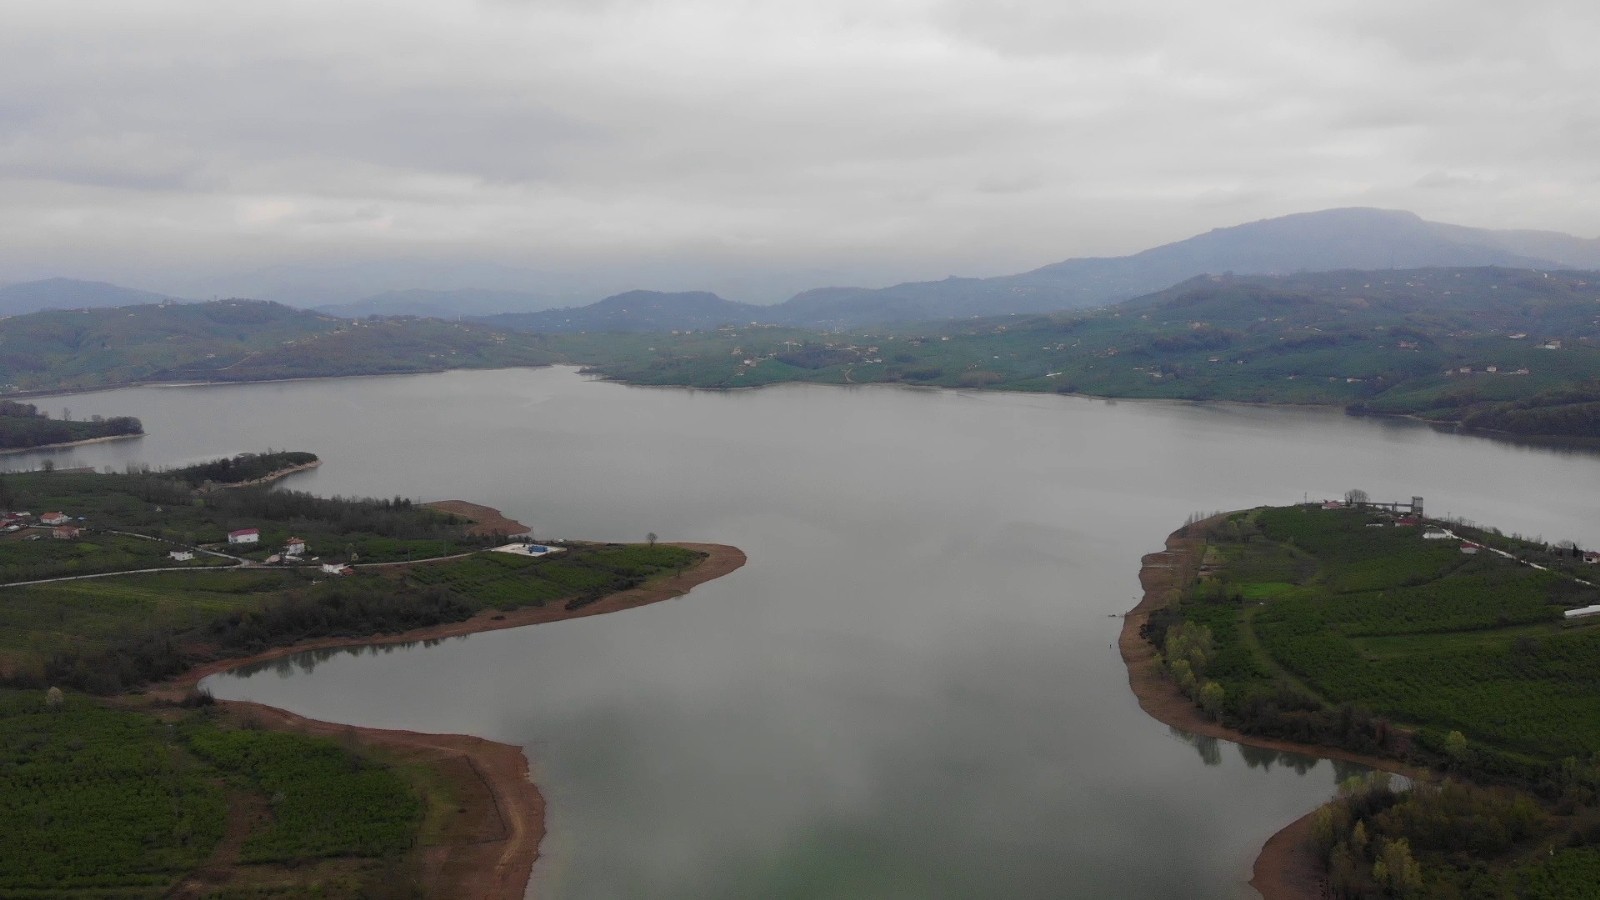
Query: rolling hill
x=68 y=293
x=1513 y=350
x=238 y=340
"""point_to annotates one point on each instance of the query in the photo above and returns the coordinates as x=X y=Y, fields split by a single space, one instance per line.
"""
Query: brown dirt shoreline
x=498 y=868
x=485 y=519
x=1285 y=869
x=65 y=444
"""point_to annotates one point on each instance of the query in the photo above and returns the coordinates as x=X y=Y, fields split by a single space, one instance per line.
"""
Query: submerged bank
x=499 y=867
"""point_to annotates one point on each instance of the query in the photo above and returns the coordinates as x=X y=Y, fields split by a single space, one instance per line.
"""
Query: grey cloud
x=913 y=138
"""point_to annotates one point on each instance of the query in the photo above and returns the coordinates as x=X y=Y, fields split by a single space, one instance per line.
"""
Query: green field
x=111 y=802
x=1339 y=627
x=506 y=581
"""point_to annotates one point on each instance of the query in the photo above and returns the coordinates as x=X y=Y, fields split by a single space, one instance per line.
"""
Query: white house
x=180 y=555
x=54 y=518
x=335 y=569
x=294 y=546
x=245 y=536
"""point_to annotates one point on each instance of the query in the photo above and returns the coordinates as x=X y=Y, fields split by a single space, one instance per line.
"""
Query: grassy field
x=1409 y=628
x=38 y=621
x=1340 y=627
x=33 y=553
x=507 y=581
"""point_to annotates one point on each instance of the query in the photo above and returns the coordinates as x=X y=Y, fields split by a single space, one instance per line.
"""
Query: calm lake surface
x=910 y=690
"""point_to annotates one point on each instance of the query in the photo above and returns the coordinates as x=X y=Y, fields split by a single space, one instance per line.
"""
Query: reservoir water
x=910 y=690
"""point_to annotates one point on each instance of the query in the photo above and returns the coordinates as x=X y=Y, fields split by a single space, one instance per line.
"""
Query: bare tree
x=1356 y=496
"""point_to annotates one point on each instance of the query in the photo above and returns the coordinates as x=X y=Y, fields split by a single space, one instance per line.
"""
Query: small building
x=245 y=536
x=1411 y=521
x=54 y=518
x=1582 y=612
x=294 y=546
x=180 y=555
x=66 y=532
x=1435 y=535
x=336 y=569
x=1332 y=504
x=1591 y=556
x=1470 y=548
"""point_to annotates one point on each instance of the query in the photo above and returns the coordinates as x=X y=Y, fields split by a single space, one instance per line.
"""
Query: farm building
x=1582 y=612
x=54 y=518
x=294 y=546
x=180 y=555
x=66 y=533
x=245 y=536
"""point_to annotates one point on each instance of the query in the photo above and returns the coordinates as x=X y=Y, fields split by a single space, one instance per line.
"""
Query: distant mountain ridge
x=1353 y=238
x=441 y=304
x=70 y=293
x=1329 y=240
x=639 y=311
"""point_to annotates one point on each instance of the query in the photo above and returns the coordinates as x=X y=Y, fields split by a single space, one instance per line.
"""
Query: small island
x=127 y=589
x=1462 y=657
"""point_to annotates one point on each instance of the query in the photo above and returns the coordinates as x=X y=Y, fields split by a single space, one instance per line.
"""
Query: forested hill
x=238 y=340
x=1506 y=349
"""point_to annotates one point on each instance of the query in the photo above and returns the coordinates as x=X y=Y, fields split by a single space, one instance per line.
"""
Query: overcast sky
x=880 y=140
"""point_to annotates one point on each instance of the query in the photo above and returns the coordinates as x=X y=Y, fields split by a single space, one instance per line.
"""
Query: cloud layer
x=881 y=138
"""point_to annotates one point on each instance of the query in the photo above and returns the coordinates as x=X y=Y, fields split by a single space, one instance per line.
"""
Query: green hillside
x=1348 y=628
x=238 y=340
x=1393 y=342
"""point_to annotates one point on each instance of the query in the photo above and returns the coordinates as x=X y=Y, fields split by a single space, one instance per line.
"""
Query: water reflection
x=914 y=673
x=1209 y=748
x=306 y=661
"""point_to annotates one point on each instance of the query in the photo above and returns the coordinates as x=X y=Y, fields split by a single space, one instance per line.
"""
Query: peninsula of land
x=190 y=582
x=509 y=812
x=1361 y=632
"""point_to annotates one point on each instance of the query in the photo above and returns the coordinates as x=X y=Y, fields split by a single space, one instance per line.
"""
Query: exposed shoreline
x=1284 y=869
x=94 y=440
x=490 y=870
x=485 y=520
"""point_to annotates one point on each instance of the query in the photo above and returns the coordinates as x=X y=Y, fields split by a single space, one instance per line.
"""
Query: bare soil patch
x=486 y=520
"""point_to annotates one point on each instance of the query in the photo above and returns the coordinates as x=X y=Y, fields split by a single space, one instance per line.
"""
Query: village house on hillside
x=245 y=536
x=294 y=546
x=66 y=533
x=180 y=555
x=54 y=518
